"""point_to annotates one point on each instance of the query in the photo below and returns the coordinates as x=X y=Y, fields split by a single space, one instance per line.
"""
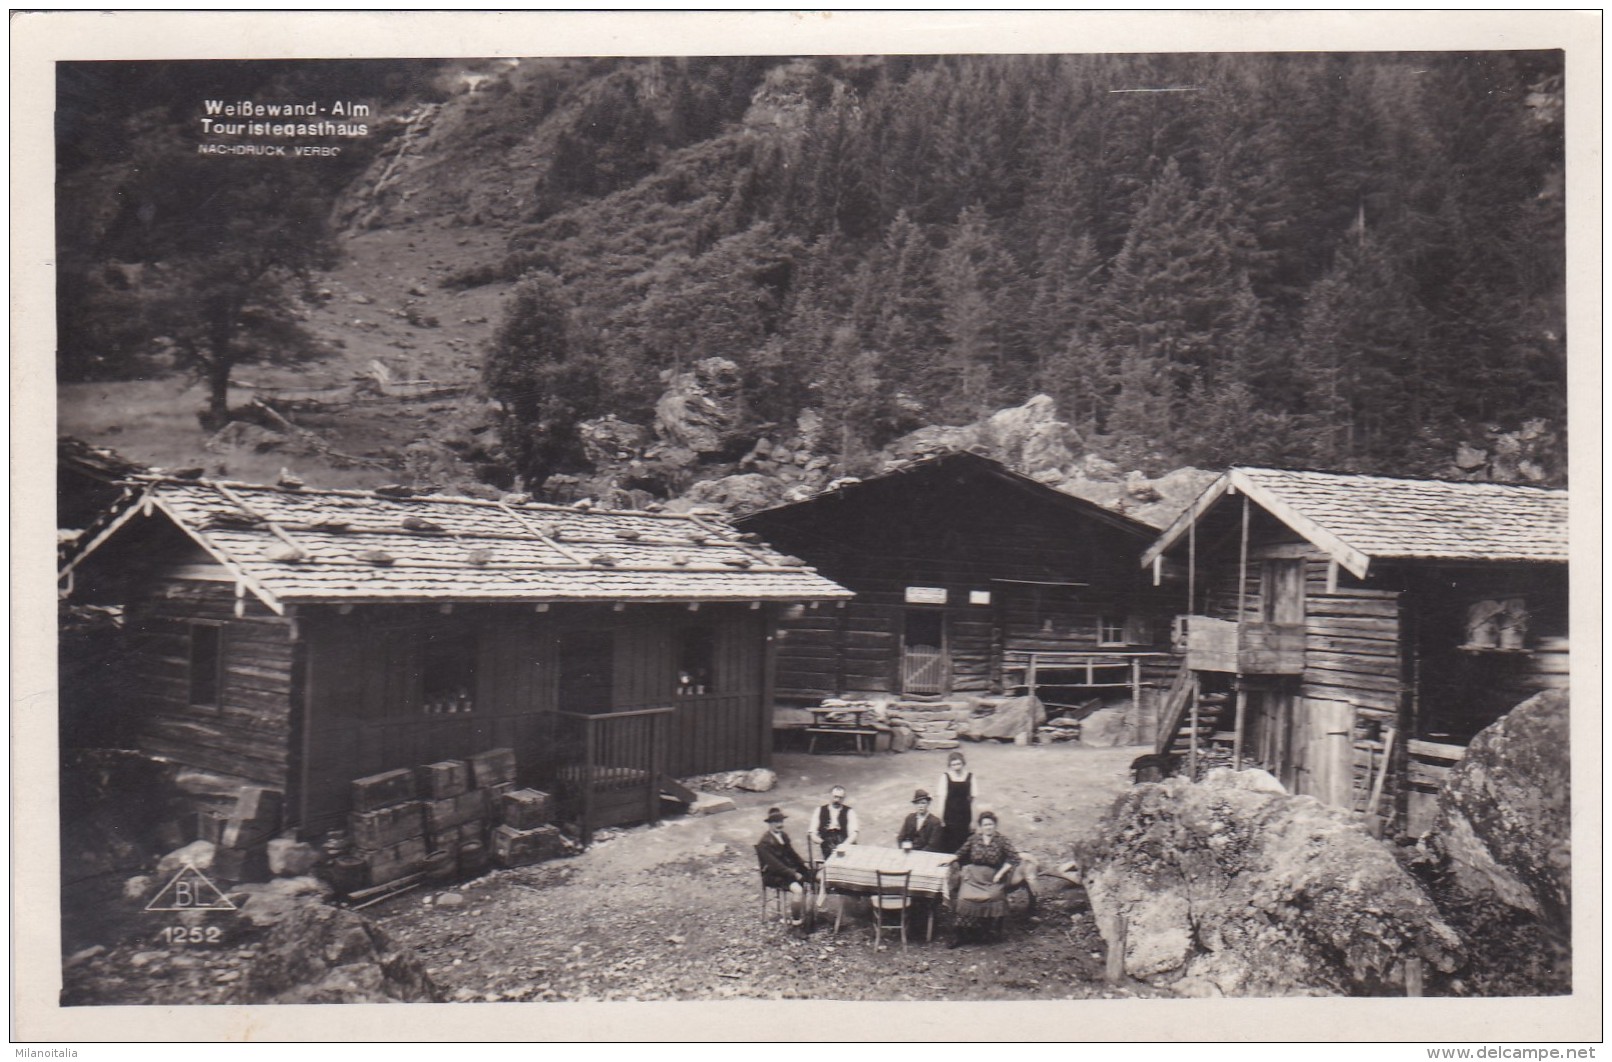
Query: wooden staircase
x=1176 y=736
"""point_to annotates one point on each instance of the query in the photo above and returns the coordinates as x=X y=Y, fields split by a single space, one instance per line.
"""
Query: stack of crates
x=524 y=834
x=401 y=817
x=387 y=826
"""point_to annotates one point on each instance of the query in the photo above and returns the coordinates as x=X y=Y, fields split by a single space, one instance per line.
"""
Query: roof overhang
x=1347 y=557
x=144 y=505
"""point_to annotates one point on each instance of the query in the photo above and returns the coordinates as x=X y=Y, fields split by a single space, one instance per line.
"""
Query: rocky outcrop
x=1234 y=887
x=320 y=954
x=1502 y=828
x=1029 y=439
x=1498 y=855
x=702 y=410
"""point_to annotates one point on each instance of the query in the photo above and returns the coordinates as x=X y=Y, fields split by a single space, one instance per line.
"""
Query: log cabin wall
x=1001 y=558
x=1324 y=731
x=372 y=706
x=213 y=673
x=236 y=721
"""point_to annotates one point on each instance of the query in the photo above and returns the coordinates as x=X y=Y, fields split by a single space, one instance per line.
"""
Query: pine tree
x=543 y=379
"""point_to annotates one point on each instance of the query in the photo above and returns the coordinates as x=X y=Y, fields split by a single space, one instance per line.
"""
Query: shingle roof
x=360 y=546
x=1361 y=518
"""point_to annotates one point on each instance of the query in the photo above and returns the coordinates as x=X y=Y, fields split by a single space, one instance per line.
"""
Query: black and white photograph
x=1050 y=523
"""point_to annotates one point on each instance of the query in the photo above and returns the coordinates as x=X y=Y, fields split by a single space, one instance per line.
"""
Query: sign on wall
x=926 y=595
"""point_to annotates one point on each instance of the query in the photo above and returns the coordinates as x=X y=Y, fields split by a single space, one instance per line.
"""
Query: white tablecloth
x=852 y=868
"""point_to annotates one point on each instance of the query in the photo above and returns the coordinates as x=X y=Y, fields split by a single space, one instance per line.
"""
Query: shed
x=969 y=578
x=298 y=639
x=1353 y=633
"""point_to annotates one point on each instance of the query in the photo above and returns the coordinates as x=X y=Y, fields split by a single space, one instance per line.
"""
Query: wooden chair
x=780 y=896
x=891 y=896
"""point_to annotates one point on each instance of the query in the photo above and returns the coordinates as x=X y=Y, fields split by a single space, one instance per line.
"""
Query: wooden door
x=1282 y=591
x=1323 y=750
x=925 y=663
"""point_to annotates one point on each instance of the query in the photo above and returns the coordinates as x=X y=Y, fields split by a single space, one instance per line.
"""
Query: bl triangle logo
x=190 y=890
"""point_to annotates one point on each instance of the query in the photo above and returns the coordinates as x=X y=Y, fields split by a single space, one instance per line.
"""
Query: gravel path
x=672 y=912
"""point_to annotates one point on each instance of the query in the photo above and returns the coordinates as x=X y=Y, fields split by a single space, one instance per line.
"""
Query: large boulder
x=321 y=954
x=702 y=409
x=739 y=494
x=1502 y=827
x=1233 y=887
x=1498 y=855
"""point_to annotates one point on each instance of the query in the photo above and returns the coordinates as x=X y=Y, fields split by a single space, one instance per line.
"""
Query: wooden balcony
x=1247 y=648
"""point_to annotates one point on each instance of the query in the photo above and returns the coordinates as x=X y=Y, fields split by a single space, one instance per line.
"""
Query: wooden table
x=823 y=722
x=852 y=868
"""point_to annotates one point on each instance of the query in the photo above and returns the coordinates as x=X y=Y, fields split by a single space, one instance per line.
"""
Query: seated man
x=783 y=868
x=921 y=831
x=835 y=823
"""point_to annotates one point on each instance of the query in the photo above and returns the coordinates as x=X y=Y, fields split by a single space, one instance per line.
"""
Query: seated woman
x=987 y=866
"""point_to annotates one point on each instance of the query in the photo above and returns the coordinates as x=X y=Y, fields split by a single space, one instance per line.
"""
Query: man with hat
x=783 y=868
x=921 y=831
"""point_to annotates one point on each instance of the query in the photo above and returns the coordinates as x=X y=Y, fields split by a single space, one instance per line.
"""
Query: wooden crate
x=525 y=809
x=439 y=781
x=456 y=811
x=519 y=848
x=380 y=790
x=395 y=861
x=377 y=829
x=455 y=836
x=492 y=768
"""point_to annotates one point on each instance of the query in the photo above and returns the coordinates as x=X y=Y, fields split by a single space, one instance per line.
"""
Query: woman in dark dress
x=958 y=792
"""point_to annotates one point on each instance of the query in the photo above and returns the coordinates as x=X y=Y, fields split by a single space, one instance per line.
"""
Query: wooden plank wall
x=247 y=735
x=366 y=715
x=1352 y=681
x=957 y=535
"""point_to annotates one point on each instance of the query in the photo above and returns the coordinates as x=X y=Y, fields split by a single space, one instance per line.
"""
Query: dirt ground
x=673 y=911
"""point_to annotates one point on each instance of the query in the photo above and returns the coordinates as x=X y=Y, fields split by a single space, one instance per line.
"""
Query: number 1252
x=192 y=934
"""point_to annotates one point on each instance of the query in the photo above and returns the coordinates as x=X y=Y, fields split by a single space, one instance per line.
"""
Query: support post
x=1192 y=738
x=1237 y=735
x=1114 y=964
x=1030 y=677
x=1192 y=564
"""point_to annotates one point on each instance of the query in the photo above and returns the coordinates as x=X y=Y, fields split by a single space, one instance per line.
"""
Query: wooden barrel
x=440 y=866
x=348 y=874
x=472 y=859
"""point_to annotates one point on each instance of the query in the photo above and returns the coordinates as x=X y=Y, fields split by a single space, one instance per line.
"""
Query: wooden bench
x=857 y=732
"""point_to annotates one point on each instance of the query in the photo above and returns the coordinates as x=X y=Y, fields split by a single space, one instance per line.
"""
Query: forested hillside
x=1349 y=261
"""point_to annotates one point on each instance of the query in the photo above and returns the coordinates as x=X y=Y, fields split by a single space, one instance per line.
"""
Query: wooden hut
x=1353 y=633
x=969 y=578
x=298 y=639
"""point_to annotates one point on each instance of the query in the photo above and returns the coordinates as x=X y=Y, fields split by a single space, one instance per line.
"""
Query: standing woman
x=958 y=792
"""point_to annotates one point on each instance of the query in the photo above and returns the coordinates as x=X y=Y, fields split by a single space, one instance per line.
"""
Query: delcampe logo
x=190 y=890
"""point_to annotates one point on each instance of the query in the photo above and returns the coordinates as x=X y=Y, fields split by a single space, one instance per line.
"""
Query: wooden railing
x=1173 y=709
x=1248 y=648
x=607 y=767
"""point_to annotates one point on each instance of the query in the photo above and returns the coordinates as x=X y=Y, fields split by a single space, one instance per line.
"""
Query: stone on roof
x=300 y=545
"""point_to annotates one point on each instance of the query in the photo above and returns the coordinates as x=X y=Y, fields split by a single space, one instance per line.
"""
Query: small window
x=696 y=661
x=448 y=671
x=206 y=664
x=1110 y=630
